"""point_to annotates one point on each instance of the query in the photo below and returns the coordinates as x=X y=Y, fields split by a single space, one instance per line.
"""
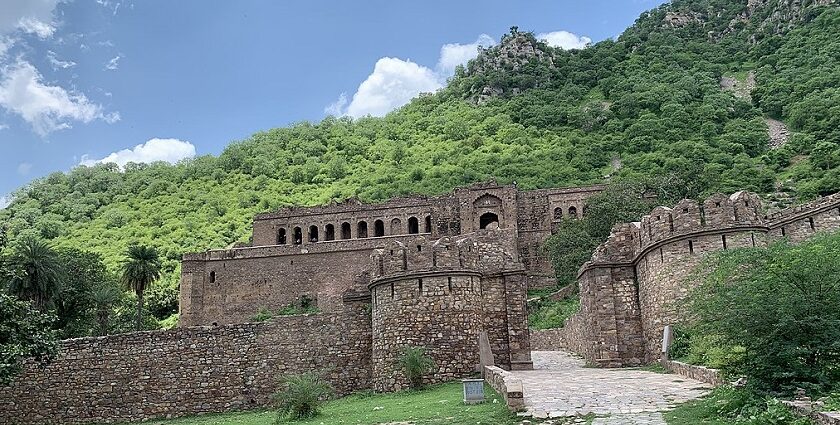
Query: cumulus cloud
x=46 y=108
x=454 y=54
x=169 y=150
x=394 y=82
x=565 y=40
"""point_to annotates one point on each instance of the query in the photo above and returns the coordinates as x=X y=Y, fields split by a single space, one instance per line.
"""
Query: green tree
x=34 y=272
x=25 y=332
x=140 y=269
x=781 y=304
x=104 y=297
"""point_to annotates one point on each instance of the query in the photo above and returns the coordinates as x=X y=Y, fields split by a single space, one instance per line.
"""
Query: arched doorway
x=488 y=219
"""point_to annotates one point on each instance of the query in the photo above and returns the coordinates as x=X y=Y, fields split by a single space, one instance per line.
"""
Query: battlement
x=796 y=212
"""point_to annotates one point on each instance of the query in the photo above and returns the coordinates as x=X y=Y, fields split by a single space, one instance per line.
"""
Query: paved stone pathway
x=561 y=386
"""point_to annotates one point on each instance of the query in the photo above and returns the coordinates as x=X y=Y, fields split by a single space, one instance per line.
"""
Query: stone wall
x=632 y=286
x=321 y=251
x=698 y=373
x=143 y=375
x=507 y=386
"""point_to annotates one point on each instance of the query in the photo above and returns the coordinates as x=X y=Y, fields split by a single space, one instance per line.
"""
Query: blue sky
x=107 y=80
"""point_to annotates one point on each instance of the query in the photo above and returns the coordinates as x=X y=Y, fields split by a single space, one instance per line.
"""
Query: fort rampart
x=631 y=287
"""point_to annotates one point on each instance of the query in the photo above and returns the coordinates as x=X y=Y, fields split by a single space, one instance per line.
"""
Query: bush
x=772 y=314
x=734 y=406
x=415 y=364
x=548 y=314
x=300 y=396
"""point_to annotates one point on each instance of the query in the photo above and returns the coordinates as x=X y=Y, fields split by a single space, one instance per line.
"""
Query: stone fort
x=434 y=272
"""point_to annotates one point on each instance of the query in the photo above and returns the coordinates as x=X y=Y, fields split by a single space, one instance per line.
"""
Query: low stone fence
x=698 y=373
x=805 y=408
x=507 y=386
x=188 y=371
x=571 y=337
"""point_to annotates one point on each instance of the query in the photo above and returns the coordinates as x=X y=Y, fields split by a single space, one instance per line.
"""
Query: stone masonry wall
x=187 y=371
x=650 y=267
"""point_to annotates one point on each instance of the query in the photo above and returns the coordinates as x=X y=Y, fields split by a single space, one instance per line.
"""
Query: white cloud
x=4 y=202
x=24 y=168
x=46 y=108
x=394 y=82
x=454 y=54
x=32 y=16
x=4 y=126
x=565 y=40
x=57 y=63
x=114 y=63
x=169 y=150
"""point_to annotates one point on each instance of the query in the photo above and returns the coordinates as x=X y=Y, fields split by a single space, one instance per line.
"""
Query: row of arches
x=572 y=212
x=345 y=231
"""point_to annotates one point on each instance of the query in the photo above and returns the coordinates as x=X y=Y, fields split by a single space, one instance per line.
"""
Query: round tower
x=425 y=295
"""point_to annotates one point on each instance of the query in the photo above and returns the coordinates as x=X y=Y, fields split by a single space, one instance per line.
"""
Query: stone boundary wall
x=806 y=409
x=698 y=373
x=629 y=287
x=504 y=383
x=161 y=374
x=571 y=337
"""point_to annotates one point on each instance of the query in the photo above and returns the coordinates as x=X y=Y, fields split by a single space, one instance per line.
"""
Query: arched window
x=487 y=219
x=428 y=228
x=281 y=236
x=572 y=212
x=396 y=227
x=329 y=232
x=361 y=230
x=345 y=230
x=298 y=236
x=313 y=233
x=378 y=228
x=413 y=225
x=558 y=213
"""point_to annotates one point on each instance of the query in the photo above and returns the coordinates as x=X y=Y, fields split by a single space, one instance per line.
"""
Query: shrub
x=782 y=305
x=262 y=315
x=415 y=364
x=300 y=396
x=735 y=406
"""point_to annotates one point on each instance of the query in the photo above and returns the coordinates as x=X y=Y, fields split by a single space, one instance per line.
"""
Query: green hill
x=648 y=103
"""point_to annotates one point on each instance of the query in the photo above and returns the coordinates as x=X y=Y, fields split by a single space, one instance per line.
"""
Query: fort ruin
x=433 y=272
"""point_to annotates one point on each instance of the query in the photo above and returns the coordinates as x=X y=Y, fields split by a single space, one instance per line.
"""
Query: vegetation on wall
x=772 y=315
x=646 y=104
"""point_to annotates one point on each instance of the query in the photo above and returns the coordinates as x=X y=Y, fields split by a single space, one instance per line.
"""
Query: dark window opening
x=428 y=227
x=811 y=223
x=378 y=228
x=752 y=237
x=572 y=212
x=487 y=219
x=783 y=230
x=420 y=285
x=281 y=237
x=329 y=232
x=392 y=290
x=413 y=226
x=361 y=230
x=450 y=284
x=345 y=230
x=298 y=236
x=691 y=247
x=661 y=256
x=313 y=233
x=419 y=248
x=717 y=204
x=723 y=239
x=558 y=213
x=685 y=210
x=212 y=277
x=396 y=227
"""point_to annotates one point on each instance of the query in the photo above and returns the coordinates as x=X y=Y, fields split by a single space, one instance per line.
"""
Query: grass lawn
x=440 y=404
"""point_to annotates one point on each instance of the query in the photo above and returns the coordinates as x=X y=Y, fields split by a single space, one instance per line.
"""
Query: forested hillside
x=647 y=104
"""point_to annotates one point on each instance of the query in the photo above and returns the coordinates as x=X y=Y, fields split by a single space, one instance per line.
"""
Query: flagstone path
x=560 y=386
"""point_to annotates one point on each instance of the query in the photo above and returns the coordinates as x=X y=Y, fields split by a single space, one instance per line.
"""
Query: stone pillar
x=517 y=318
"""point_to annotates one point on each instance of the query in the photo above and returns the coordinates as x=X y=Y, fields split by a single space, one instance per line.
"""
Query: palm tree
x=140 y=268
x=34 y=271
x=104 y=297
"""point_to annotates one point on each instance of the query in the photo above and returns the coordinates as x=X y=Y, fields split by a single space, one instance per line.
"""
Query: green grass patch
x=548 y=314
x=726 y=406
x=440 y=404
